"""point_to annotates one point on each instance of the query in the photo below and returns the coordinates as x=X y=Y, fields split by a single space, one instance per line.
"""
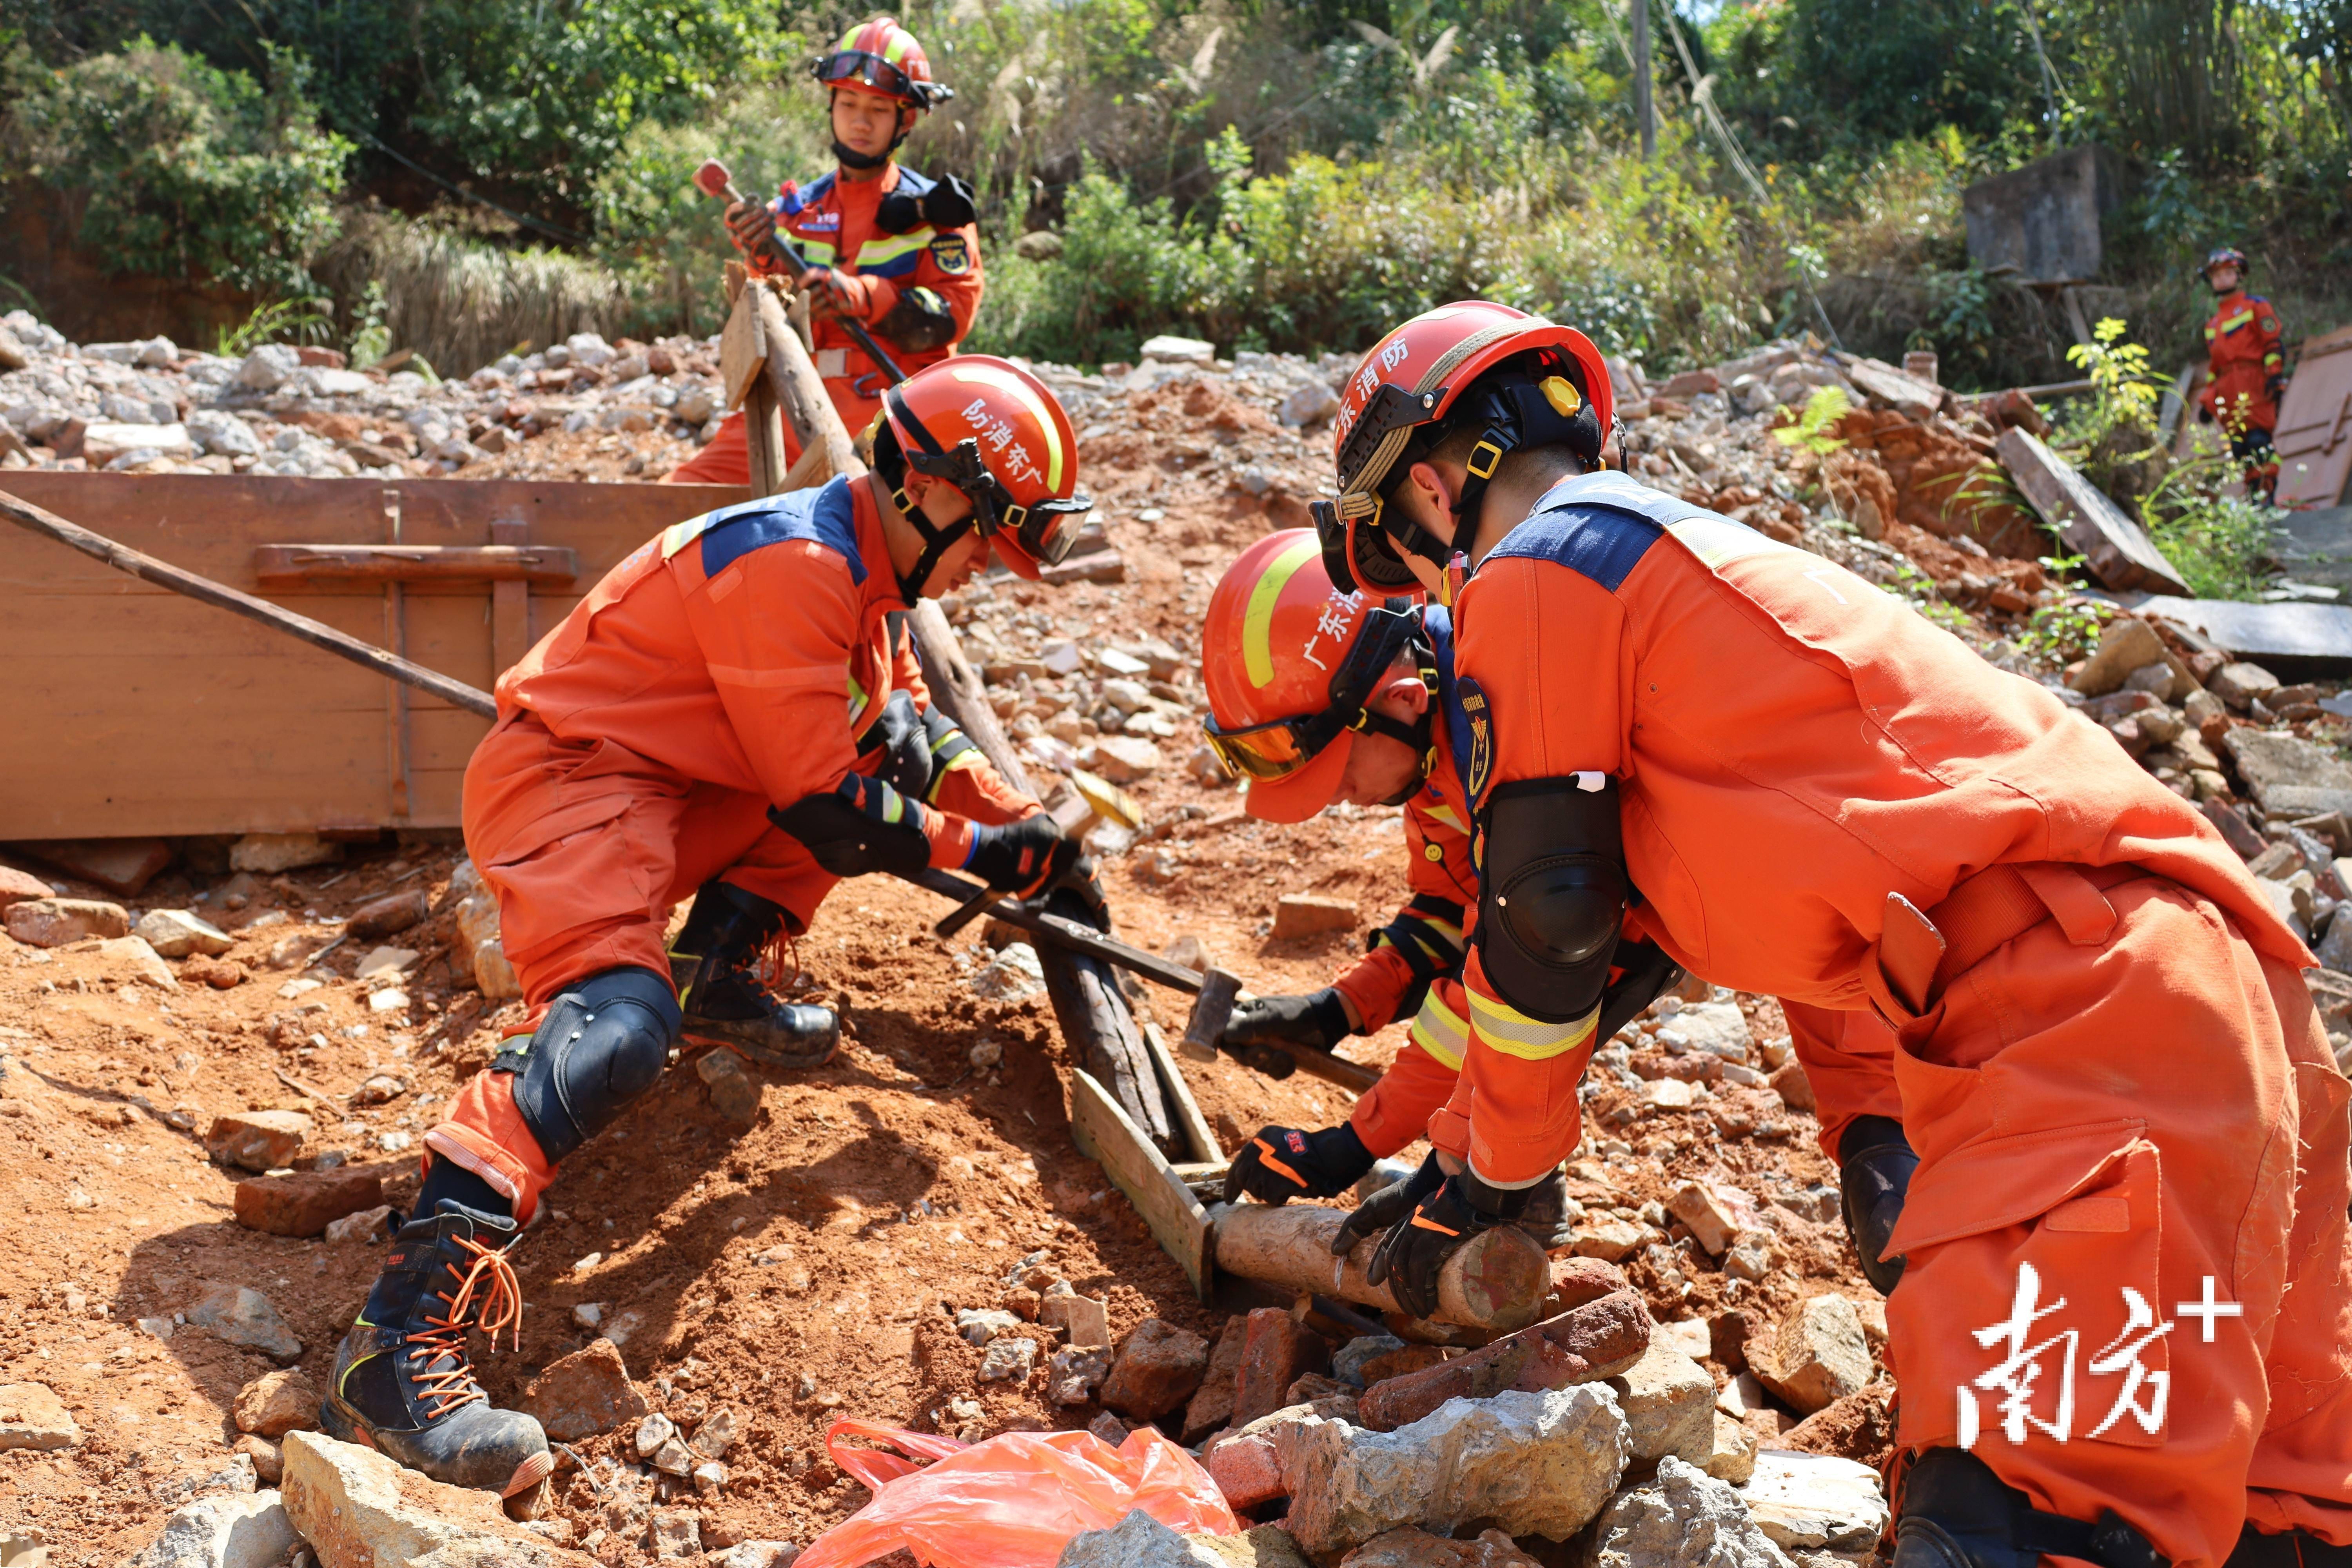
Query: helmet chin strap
x=937 y=542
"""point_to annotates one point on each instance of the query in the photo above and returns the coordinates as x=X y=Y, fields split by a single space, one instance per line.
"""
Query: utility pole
x=1643 y=116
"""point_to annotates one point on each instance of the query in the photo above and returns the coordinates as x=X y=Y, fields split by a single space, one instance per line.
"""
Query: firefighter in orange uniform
x=2122 y=1331
x=1318 y=695
x=893 y=250
x=2245 y=355
x=735 y=713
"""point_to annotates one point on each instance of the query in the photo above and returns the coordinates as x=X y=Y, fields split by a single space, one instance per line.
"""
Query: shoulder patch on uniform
x=1597 y=542
x=1479 y=715
x=951 y=254
x=822 y=516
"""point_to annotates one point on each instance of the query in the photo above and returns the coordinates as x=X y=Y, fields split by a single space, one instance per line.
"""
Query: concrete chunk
x=53 y=923
x=1734 y=1457
x=1669 y=1405
x=32 y=1416
x=1683 y=1519
x=357 y=1509
x=2288 y=776
x=1139 y=1541
x=2117 y=551
x=231 y=1531
x=1537 y=1464
x=1411 y=1548
x=243 y=1316
x=1816 y=1502
x=1819 y=1356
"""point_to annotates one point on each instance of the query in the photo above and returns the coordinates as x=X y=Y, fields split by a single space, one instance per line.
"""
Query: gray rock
x=1669 y=1405
x=1538 y=1464
x=978 y=1325
x=717 y=1433
x=757 y=1555
x=266 y=368
x=231 y=1531
x=176 y=934
x=2239 y=684
x=1171 y=350
x=1009 y=1359
x=224 y=435
x=1073 y=1373
x=1814 y=1502
x=676 y=1532
x=2290 y=777
x=1683 y=1519
x=1348 y=1361
x=2128 y=644
x=244 y=1316
x=357 y=1509
x=1311 y=403
x=2335 y=948
x=1139 y=1541
x=1719 y=1028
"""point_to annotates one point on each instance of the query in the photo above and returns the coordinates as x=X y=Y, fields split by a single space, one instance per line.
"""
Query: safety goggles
x=1280 y=747
x=1045 y=531
x=874 y=71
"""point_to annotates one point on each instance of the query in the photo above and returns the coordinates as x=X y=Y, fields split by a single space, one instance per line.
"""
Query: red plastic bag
x=1013 y=1501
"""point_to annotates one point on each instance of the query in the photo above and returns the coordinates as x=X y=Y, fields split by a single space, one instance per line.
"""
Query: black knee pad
x=2288 y=1549
x=602 y=1043
x=1875 y=1167
x=1957 y=1514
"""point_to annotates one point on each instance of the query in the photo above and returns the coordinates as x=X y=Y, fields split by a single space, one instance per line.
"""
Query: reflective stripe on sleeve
x=1439 y=1030
x=1513 y=1033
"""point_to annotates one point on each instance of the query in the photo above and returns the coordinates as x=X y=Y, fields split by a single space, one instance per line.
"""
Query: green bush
x=184 y=170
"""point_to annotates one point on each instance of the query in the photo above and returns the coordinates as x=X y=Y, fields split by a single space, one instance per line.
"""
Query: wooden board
x=1105 y=1134
x=1199 y=1138
x=135 y=711
x=2314 y=428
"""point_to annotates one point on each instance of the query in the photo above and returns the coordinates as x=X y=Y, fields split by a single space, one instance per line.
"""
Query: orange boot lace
x=438 y=1356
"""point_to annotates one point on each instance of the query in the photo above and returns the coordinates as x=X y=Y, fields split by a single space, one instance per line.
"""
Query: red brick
x=1159 y=1367
x=306 y=1202
x=1278 y=1352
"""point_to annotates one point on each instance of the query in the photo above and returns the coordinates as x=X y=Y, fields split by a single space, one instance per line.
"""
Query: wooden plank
x=2118 y=552
x=1105 y=1134
x=510 y=631
x=300 y=566
x=1199 y=1138
x=2315 y=426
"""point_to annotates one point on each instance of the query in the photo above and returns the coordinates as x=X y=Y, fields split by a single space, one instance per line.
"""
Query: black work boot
x=1545 y=1219
x=712 y=960
x=402 y=1384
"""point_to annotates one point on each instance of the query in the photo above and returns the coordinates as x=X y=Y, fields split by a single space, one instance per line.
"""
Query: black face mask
x=851 y=158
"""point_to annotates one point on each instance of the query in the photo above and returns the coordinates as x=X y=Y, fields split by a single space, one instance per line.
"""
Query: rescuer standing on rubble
x=2245 y=360
x=1317 y=695
x=2122 y=1331
x=887 y=248
x=734 y=714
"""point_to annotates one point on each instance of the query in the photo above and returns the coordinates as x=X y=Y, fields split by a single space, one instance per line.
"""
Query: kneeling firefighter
x=734 y=714
x=2124 y=1331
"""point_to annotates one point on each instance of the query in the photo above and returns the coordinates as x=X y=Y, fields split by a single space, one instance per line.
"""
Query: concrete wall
x=2042 y=221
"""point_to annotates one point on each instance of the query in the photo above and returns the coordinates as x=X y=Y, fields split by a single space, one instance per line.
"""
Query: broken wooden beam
x=1497 y=1282
x=2118 y=552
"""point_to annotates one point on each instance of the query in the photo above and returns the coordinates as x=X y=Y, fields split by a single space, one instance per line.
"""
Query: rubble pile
x=154 y=407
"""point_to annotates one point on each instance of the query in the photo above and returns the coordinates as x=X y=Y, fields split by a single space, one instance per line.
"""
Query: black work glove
x=1023 y=858
x=1317 y=1021
x=1385 y=1208
x=1410 y=1256
x=2204 y=414
x=1282 y=1162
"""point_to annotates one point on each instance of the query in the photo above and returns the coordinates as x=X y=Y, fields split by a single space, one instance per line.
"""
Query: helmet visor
x=1280 y=747
x=1045 y=532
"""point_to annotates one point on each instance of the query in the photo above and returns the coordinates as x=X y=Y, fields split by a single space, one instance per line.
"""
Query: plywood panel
x=126 y=709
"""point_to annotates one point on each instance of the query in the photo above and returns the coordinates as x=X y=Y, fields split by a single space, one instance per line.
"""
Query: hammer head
x=713 y=180
x=1213 y=1009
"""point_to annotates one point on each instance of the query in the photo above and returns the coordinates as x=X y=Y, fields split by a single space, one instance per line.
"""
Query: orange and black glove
x=1023 y=858
x=1282 y=1162
x=834 y=292
x=1415 y=1248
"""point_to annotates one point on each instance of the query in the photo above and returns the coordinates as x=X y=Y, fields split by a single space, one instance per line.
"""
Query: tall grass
x=460 y=302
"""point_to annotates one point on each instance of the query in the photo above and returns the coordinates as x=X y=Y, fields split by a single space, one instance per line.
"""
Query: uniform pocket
x=2041 y=1249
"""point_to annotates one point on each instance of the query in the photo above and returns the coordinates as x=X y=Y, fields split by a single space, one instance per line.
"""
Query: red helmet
x=1289 y=662
x=1526 y=381
x=1000 y=435
x=881 y=58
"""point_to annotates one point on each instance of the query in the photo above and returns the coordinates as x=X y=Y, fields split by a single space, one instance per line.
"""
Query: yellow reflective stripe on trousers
x=1439 y=1030
x=1513 y=1033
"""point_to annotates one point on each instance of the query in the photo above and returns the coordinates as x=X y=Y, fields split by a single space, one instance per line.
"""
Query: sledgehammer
x=713 y=180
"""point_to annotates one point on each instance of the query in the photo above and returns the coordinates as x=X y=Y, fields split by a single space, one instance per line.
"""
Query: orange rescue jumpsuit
x=2245 y=356
x=1395 y=1110
x=833 y=226
x=736 y=661
x=2115 y=1076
